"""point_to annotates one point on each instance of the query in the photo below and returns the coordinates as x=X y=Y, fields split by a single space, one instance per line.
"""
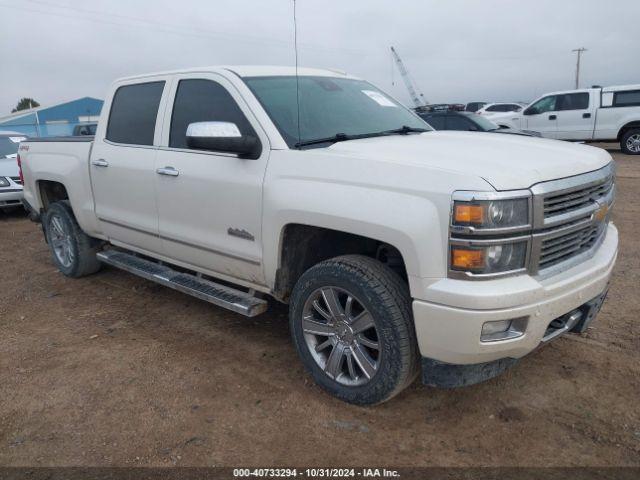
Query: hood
x=507 y=162
x=9 y=167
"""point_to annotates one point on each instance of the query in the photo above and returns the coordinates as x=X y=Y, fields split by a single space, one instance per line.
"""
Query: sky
x=455 y=50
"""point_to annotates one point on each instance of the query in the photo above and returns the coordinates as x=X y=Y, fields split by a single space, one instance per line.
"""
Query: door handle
x=100 y=163
x=586 y=115
x=169 y=171
x=552 y=117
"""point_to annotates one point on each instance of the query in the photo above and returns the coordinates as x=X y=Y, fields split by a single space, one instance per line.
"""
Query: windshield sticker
x=379 y=98
x=17 y=139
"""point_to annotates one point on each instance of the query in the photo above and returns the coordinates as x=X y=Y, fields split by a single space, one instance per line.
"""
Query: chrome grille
x=16 y=180
x=570 y=219
x=558 y=249
x=576 y=199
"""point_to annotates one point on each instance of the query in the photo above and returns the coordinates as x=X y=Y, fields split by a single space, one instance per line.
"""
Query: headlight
x=488 y=259
x=489 y=234
x=491 y=214
x=4 y=182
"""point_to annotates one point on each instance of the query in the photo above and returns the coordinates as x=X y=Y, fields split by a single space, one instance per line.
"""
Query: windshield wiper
x=342 y=137
x=338 y=137
x=403 y=131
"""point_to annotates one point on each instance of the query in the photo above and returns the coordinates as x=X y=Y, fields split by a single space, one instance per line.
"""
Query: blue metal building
x=54 y=120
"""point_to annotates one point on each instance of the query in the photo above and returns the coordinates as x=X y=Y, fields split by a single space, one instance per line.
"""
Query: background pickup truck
x=396 y=249
x=598 y=114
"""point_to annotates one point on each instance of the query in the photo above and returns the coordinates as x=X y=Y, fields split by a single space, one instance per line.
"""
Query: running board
x=220 y=295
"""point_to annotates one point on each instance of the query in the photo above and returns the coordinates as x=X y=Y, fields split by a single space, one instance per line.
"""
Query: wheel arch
x=302 y=246
x=626 y=127
x=50 y=191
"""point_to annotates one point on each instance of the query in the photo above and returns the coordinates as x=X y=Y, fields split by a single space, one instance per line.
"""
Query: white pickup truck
x=591 y=114
x=398 y=249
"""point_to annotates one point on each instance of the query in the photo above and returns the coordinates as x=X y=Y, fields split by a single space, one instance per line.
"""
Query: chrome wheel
x=633 y=143
x=61 y=242
x=341 y=336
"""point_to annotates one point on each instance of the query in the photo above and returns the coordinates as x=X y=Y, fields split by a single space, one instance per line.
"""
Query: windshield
x=483 y=122
x=329 y=106
x=9 y=145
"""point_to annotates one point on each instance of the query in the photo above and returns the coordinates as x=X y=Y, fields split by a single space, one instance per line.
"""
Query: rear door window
x=573 y=101
x=134 y=110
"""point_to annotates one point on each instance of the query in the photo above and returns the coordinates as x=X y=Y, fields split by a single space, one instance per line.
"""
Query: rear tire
x=630 y=142
x=376 y=362
x=72 y=250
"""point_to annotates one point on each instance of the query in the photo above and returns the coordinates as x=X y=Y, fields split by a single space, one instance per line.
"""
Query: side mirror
x=530 y=111
x=222 y=137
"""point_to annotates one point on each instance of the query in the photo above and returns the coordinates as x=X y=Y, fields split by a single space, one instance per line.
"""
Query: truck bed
x=64 y=160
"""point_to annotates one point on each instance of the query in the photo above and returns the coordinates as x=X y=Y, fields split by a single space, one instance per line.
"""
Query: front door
x=122 y=166
x=210 y=203
x=542 y=117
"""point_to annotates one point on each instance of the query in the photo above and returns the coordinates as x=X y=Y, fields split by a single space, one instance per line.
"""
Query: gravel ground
x=113 y=370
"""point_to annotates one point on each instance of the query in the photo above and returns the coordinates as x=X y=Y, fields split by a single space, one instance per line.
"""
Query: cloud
x=455 y=50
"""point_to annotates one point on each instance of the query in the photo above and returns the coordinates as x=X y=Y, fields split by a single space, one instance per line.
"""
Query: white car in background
x=10 y=182
x=493 y=108
x=588 y=114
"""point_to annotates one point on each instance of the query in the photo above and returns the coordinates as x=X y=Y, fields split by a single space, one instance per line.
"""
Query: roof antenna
x=295 y=46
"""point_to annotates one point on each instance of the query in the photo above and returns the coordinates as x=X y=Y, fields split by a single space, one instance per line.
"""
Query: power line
x=176 y=29
x=102 y=13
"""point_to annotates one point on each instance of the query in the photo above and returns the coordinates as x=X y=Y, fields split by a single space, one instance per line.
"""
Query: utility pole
x=579 y=51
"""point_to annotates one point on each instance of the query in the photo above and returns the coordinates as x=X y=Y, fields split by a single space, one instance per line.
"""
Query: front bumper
x=449 y=323
x=11 y=197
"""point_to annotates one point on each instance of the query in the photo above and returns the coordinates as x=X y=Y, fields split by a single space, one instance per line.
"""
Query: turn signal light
x=467 y=259
x=469 y=213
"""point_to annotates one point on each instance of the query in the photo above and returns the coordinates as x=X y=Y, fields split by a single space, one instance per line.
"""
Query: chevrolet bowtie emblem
x=601 y=213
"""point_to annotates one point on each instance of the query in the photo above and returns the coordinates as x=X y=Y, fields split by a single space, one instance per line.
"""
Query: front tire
x=630 y=142
x=72 y=250
x=352 y=326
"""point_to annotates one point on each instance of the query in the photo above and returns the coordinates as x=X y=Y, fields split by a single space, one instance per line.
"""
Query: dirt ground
x=113 y=370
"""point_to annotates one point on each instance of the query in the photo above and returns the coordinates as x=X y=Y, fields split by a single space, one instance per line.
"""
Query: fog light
x=503 y=329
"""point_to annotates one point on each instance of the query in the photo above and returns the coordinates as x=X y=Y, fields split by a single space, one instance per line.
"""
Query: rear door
x=576 y=116
x=211 y=205
x=122 y=165
x=542 y=117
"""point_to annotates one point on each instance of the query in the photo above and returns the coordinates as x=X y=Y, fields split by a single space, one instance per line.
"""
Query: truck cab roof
x=249 y=71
